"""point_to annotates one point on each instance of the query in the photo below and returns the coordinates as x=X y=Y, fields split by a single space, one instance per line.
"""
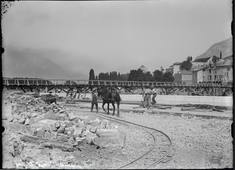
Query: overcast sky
x=74 y=37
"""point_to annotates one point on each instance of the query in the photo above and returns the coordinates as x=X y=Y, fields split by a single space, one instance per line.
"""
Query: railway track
x=161 y=150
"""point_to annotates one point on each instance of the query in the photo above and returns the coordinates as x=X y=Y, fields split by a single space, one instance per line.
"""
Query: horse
x=109 y=96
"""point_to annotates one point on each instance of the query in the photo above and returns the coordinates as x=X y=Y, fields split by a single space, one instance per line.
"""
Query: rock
x=93 y=129
x=40 y=132
x=71 y=116
x=69 y=131
x=62 y=137
x=17 y=148
x=95 y=122
x=21 y=120
x=27 y=121
x=104 y=124
x=47 y=134
x=81 y=123
x=62 y=111
x=57 y=125
x=54 y=128
x=90 y=137
x=79 y=140
x=78 y=131
x=63 y=146
x=61 y=129
x=34 y=114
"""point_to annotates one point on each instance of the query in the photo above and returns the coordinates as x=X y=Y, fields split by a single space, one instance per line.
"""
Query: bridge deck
x=96 y=83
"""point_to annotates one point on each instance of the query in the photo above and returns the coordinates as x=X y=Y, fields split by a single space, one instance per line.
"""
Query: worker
x=94 y=101
x=153 y=98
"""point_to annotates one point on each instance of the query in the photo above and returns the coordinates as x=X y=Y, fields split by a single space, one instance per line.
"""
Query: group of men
x=147 y=99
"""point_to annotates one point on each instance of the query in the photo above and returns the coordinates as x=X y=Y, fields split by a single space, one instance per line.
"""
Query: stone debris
x=17 y=148
x=50 y=126
x=50 y=121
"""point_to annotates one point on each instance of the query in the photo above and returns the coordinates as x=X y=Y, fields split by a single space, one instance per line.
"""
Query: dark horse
x=108 y=96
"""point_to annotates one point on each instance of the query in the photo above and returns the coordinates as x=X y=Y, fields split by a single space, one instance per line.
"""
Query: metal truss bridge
x=108 y=83
x=81 y=86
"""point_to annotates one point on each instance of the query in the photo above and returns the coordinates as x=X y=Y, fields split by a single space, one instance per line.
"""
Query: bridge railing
x=41 y=82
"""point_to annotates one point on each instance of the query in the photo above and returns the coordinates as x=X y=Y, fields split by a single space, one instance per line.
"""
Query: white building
x=219 y=71
x=176 y=67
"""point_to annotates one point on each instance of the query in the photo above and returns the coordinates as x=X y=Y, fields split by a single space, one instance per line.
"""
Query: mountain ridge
x=223 y=48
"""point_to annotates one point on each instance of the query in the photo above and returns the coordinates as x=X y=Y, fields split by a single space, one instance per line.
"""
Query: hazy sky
x=110 y=35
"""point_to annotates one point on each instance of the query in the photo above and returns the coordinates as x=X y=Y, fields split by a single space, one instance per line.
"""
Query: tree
x=91 y=74
x=186 y=65
x=148 y=76
x=124 y=77
x=158 y=75
x=113 y=75
x=119 y=76
x=167 y=76
x=103 y=76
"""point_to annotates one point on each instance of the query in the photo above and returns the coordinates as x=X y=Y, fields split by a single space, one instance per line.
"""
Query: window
x=209 y=77
x=215 y=77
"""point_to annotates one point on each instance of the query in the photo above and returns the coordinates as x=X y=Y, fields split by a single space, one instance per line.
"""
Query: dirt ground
x=197 y=142
x=105 y=144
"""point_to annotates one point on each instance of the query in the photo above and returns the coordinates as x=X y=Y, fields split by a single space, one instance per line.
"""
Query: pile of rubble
x=52 y=126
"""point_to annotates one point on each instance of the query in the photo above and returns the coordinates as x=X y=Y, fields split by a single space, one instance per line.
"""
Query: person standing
x=94 y=101
x=117 y=100
x=153 y=98
x=148 y=98
x=145 y=100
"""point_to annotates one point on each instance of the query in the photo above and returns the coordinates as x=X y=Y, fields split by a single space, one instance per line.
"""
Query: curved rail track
x=160 y=152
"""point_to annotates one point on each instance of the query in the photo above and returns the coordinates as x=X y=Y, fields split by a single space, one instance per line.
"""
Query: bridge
x=107 y=83
x=87 y=85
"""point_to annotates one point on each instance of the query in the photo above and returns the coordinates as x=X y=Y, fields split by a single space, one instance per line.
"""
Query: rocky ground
x=198 y=141
x=40 y=135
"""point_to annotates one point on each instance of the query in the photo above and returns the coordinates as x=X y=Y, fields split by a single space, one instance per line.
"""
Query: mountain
x=27 y=63
x=223 y=48
x=143 y=68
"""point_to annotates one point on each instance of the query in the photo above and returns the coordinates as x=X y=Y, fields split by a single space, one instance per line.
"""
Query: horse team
x=108 y=96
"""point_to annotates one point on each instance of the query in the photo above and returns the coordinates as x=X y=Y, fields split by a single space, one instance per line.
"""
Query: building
x=214 y=65
x=176 y=67
x=224 y=70
x=219 y=71
x=197 y=76
x=186 y=77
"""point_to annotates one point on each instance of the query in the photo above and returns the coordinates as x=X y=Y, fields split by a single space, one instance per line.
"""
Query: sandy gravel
x=198 y=142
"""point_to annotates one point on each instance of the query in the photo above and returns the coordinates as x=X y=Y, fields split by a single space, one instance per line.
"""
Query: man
x=118 y=100
x=145 y=100
x=148 y=98
x=94 y=101
x=153 y=98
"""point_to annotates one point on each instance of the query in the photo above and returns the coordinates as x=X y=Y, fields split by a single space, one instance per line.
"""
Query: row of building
x=215 y=65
